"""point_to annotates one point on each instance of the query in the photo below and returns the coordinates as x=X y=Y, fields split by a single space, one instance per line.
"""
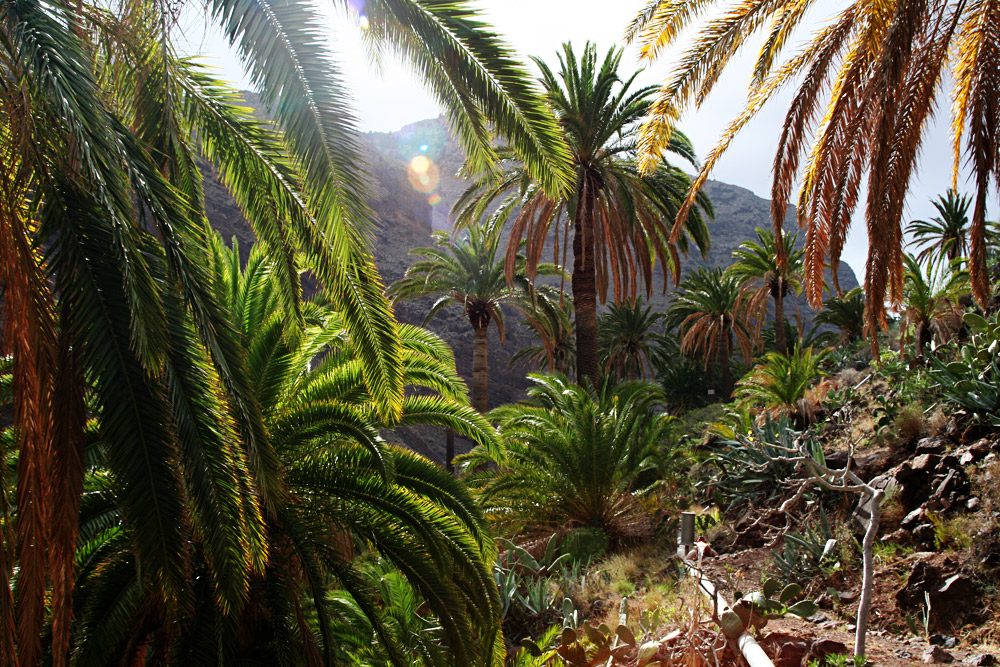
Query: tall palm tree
x=709 y=311
x=103 y=233
x=627 y=339
x=342 y=488
x=465 y=271
x=943 y=238
x=868 y=82
x=764 y=277
x=615 y=215
x=847 y=313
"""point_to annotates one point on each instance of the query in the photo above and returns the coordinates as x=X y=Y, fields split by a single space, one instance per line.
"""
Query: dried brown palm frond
x=868 y=83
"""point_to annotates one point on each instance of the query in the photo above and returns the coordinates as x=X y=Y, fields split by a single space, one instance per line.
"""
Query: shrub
x=574 y=457
x=780 y=382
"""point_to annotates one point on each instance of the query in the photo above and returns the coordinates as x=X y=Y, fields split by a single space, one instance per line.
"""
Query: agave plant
x=573 y=457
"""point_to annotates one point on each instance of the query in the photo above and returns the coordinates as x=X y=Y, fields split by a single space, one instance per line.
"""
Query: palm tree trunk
x=480 y=369
x=724 y=369
x=780 y=340
x=584 y=283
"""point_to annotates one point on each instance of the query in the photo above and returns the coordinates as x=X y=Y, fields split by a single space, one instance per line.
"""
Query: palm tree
x=868 y=82
x=573 y=457
x=103 y=235
x=931 y=303
x=626 y=337
x=943 y=238
x=615 y=216
x=708 y=311
x=757 y=267
x=780 y=381
x=847 y=313
x=341 y=486
x=551 y=321
x=466 y=272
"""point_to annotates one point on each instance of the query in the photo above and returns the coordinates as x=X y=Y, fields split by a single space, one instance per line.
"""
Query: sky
x=390 y=96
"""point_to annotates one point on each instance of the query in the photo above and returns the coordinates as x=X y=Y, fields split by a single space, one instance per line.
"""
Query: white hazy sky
x=388 y=99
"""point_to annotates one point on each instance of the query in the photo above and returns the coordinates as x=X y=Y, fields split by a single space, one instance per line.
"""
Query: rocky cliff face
x=413 y=188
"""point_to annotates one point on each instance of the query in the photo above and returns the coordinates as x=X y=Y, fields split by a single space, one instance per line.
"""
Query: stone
x=912 y=520
x=980 y=660
x=900 y=536
x=924 y=533
x=972 y=504
x=824 y=647
x=932 y=445
x=784 y=649
x=947 y=641
x=981 y=448
x=925 y=462
x=959 y=588
x=936 y=654
x=966 y=458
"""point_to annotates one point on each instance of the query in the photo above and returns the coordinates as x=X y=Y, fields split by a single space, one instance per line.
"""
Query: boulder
x=980 y=660
x=951 y=593
x=933 y=654
x=933 y=445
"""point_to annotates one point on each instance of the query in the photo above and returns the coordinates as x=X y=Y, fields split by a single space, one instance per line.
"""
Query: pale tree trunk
x=480 y=369
x=584 y=284
x=868 y=576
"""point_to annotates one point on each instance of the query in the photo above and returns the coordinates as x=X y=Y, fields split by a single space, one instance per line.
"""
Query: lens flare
x=434 y=199
x=423 y=174
x=363 y=22
x=420 y=165
x=424 y=148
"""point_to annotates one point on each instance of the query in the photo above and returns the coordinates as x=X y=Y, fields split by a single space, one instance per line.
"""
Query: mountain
x=414 y=184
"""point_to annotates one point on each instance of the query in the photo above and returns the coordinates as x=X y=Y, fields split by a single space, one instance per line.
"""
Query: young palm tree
x=757 y=267
x=708 y=311
x=868 y=82
x=615 y=216
x=341 y=485
x=102 y=127
x=931 y=304
x=551 y=321
x=573 y=457
x=466 y=272
x=780 y=381
x=943 y=238
x=627 y=339
x=847 y=313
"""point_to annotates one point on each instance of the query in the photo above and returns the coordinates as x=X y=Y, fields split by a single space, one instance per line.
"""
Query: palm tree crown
x=628 y=340
x=336 y=488
x=757 y=266
x=615 y=215
x=465 y=271
x=943 y=238
x=708 y=311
